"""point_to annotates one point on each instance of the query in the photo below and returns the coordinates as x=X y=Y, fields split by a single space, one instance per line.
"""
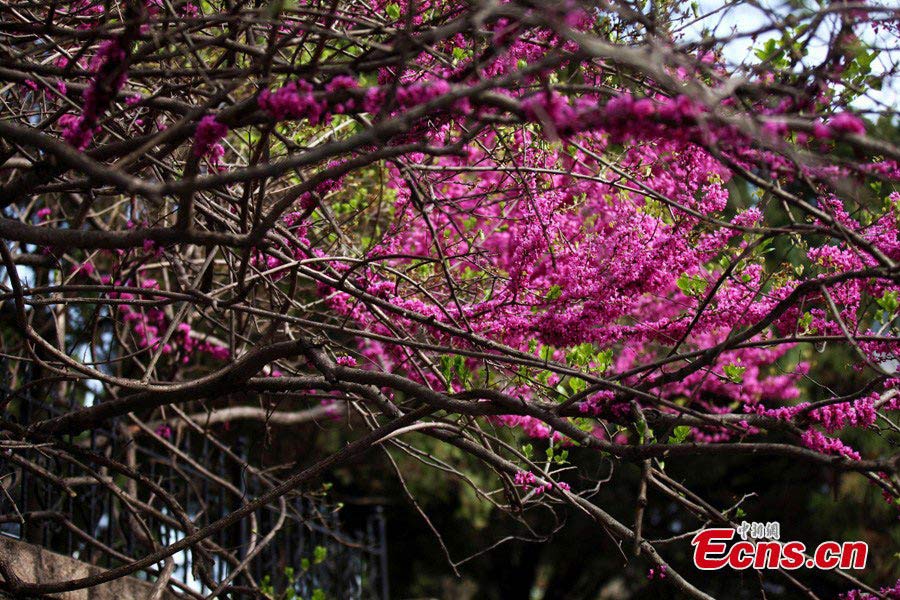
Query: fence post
x=382 y=552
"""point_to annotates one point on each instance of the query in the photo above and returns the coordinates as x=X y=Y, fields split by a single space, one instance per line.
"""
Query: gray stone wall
x=35 y=564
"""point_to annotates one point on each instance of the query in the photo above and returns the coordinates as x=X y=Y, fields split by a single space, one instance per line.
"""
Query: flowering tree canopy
x=638 y=232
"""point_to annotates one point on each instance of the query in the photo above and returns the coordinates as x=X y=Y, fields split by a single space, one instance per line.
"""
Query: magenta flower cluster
x=834 y=417
x=109 y=77
x=528 y=481
x=818 y=441
x=299 y=100
x=207 y=137
x=887 y=592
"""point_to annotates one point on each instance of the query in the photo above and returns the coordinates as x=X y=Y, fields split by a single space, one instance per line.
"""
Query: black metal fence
x=99 y=516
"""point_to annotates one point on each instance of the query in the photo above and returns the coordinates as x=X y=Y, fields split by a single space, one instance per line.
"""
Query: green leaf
x=773 y=52
x=645 y=433
x=804 y=322
x=453 y=366
x=320 y=553
x=554 y=293
x=266 y=588
x=577 y=385
x=603 y=360
x=889 y=303
x=580 y=355
x=691 y=285
x=393 y=10
x=734 y=373
x=679 y=434
x=528 y=451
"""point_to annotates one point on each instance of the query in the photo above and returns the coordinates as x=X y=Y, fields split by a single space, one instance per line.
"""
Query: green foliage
x=804 y=323
x=645 y=433
x=562 y=457
x=603 y=360
x=461 y=53
x=583 y=355
x=734 y=373
x=889 y=304
x=773 y=52
x=546 y=353
x=679 y=434
x=453 y=366
x=577 y=385
x=858 y=69
x=580 y=355
x=691 y=285
x=528 y=451
x=266 y=587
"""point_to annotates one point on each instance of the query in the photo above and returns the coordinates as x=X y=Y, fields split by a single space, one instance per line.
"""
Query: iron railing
x=95 y=514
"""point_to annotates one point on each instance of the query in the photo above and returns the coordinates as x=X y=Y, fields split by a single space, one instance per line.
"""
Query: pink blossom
x=209 y=133
x=346 y=361
x=847 y=123
x=816 y=440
